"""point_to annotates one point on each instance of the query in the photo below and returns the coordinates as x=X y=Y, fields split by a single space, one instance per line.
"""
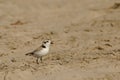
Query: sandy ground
x=86 y=35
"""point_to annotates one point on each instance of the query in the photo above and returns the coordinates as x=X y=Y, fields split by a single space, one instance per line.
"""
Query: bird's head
x=47 y=43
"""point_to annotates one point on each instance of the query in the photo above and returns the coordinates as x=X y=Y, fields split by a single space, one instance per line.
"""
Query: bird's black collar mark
x=43 y=46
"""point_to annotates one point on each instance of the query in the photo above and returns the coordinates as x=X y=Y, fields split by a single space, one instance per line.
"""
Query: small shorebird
x=41 y=51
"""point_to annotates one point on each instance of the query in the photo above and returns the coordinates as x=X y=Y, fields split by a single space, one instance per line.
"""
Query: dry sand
x=86 y=35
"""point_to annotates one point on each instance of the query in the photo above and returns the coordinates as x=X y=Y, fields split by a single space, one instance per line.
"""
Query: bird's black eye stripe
x=44 y=42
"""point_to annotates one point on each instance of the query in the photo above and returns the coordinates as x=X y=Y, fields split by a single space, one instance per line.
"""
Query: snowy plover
x=41 y=51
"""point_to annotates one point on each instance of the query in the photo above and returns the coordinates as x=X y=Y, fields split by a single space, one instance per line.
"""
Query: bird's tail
x=30 y=53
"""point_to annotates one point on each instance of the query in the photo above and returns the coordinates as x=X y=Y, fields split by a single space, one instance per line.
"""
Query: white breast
x=42 y=52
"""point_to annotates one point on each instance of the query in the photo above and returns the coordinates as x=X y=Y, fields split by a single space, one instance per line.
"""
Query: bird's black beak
x=52 y=42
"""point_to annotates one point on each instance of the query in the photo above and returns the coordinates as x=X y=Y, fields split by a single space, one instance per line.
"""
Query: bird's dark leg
x=37 y=60
x=41 y=58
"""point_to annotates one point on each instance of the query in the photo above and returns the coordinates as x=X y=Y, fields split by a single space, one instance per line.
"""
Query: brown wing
x=32 y=53
x=38 y=49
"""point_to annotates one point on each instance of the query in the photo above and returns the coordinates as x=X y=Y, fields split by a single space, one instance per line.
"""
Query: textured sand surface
x=86 y=35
